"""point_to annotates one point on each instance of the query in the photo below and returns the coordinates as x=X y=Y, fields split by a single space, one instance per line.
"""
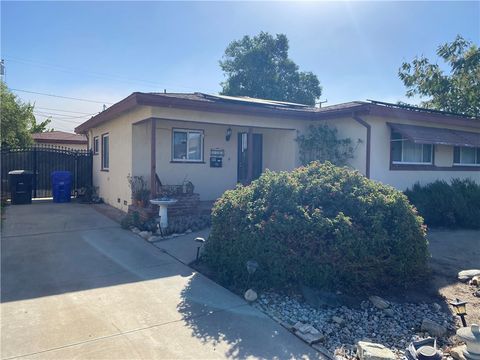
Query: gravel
x=395 y=327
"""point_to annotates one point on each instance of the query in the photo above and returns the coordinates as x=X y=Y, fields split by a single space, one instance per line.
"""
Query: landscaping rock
x=373 y=351
x=437 y=307
x=457 y=352
x=338 y=320
x=433 y=328
x=154 y=238
x=309 y=338
x=475 y=280
x=378 y=302
x=468 y=274
x=250 y=295
x=145 y=234
x=135 y=230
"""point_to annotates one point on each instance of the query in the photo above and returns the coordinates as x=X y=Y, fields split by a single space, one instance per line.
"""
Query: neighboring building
x=217 y=141
x=61 y=138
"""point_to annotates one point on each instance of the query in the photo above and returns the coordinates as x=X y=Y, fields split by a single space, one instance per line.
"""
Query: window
x=105 y=152
x=405 y=151
x=95 y=145
x=467 y=156
x=187 y=145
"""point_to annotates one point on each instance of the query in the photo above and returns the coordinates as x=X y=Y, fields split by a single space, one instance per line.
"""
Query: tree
x=18 y=120
x=456 y=91
x=259 y=67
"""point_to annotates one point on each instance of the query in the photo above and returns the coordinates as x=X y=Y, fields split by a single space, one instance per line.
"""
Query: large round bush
x=321 y=226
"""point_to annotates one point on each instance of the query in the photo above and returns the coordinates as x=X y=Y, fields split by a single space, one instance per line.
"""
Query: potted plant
x=140 y=193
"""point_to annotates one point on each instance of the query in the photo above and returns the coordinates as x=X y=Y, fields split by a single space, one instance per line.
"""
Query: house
x=217 y=141
x=61 y=138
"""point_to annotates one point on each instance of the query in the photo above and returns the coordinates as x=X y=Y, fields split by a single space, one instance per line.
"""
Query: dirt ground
x=453 y=251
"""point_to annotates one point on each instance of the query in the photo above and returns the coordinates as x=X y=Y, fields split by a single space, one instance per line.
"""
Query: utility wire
x=62 y=97
x=67 y=116
x=69 y=111
x=77 y=122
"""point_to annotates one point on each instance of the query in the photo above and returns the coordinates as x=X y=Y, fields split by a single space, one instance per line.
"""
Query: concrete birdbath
x=163 y=204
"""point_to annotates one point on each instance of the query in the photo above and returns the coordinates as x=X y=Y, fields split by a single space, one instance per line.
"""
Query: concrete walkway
x=183 y=247
x=75 y=285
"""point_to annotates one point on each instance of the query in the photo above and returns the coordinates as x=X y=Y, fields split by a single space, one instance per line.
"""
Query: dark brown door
x=249 y=163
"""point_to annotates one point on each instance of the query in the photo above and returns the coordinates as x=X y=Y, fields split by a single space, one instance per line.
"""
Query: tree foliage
x=259 y=67
x=18 y=120
x=456 y=91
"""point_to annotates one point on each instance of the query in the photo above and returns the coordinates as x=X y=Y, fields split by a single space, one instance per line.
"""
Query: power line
x=60 y=119
x=99 y=74
x=62 y=97
x=70 y=111
x=66 y=115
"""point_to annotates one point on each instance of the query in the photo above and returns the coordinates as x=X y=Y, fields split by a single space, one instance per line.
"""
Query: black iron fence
x=42 y=160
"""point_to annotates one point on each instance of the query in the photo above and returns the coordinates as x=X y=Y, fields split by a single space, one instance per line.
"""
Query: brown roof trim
x=361 y=108
x=60 y=141
x=407 y=114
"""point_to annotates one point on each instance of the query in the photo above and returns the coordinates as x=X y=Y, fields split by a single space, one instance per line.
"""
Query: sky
x=103 y=51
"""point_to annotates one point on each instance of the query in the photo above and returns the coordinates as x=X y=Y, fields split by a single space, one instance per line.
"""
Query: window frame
x=202 y=146
x=96 y=145
x=102 y=160
x=477 y=156
x=401 y=162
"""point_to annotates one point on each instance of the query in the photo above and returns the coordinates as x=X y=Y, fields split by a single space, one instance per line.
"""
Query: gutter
x=369 y=137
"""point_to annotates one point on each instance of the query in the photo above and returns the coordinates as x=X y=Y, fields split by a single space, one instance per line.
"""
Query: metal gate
x=42 y=160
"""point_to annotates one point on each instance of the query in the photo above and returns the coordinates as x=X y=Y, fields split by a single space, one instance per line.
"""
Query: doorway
x=249 y=160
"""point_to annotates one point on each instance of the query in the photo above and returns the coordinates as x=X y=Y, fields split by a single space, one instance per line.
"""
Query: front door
x=249 y=160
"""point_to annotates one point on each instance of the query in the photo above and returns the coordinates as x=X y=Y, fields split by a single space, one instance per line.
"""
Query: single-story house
x=217 y=141
x=61 y=138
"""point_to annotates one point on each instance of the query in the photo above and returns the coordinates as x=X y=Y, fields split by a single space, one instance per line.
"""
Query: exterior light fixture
x=200 y=242
x=228 y=135
x=252 y=266
x=460 y=309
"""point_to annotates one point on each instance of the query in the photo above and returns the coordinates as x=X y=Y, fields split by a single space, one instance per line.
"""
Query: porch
x=209 y=158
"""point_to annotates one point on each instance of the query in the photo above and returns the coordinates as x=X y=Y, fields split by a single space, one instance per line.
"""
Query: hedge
x=319 y=225
x=453 y=205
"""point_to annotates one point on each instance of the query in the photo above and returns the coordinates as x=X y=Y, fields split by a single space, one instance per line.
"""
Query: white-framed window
x=466 y=156
x=187 y=145
x=105 y=151
x=95 y=145
x=407 y=152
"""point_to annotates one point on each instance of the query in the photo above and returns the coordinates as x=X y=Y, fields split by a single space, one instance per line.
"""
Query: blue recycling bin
x=61 y=186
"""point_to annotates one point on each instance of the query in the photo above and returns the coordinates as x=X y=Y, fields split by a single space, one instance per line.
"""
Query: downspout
x=369 y=136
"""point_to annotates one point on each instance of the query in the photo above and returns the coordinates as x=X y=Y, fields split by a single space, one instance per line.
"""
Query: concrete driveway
x=75 y=285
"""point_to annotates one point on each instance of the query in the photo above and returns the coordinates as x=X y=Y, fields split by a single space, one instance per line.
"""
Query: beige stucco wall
x=130 y=150
x=278 y=154
x=402 y=179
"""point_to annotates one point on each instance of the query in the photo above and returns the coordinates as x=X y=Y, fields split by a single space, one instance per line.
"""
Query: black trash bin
x=20 y=186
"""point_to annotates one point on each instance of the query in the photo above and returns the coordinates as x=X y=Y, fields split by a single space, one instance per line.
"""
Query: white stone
x=250 y=295
x=468 y=273
x=135 y=230
x=154 y=238
x=457 y=352
x=378 y=302
x=372 y=351
x=433 y=328
x=475 y=280
x=471 y=336
x=145 y=234
x=309 y=338
x=338 y=320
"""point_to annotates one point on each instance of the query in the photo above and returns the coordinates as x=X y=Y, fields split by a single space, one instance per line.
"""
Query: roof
x=59 y=137
x=440 y=136
x=271 y=108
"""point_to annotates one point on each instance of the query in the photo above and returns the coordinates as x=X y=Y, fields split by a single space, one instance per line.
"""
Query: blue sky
x=106 y=50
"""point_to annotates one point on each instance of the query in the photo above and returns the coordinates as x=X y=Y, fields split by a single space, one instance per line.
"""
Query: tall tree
x=18 y=120
x=259 y=67
x=458 y=90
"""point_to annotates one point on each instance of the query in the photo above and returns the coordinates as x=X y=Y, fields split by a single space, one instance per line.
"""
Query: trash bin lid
x=20 y=172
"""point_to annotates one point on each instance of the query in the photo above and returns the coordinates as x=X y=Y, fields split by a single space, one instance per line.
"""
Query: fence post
x=34 y=172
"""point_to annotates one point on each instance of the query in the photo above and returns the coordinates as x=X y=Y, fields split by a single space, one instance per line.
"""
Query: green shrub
x=448 y=205
x=321 y=226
